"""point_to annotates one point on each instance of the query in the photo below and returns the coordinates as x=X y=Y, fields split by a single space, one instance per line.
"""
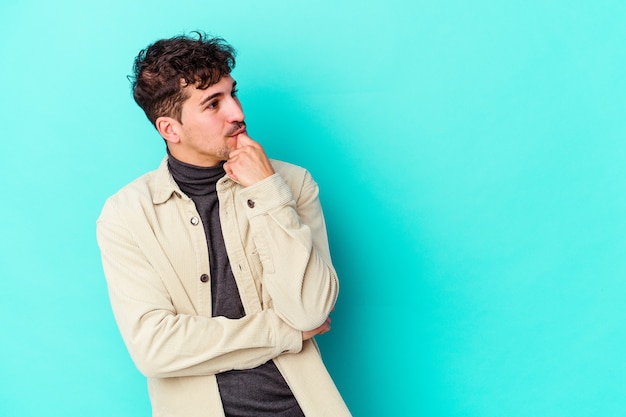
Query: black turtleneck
x=199 y=183
x=257 y=392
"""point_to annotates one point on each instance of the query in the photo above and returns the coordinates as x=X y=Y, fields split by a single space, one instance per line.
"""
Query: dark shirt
x=257 y=392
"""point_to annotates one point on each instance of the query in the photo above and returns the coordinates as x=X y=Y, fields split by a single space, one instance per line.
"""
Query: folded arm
x=165 y=340
x=289 y=231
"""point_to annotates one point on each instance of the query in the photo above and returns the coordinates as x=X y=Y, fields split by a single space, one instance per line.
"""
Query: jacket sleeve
x=165 y=341
x=288 y=228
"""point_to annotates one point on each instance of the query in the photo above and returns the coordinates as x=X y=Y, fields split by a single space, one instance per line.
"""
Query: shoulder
x=299 y=179
x=135 y=190
x=291 y=173
x=150 y=189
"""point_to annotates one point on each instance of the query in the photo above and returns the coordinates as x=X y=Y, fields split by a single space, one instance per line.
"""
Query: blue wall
x=471 y=159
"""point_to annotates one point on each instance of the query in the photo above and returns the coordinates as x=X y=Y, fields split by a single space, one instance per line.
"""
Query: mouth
x=238 y=130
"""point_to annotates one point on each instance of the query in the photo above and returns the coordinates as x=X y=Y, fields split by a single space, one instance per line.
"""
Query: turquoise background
x=471 y=159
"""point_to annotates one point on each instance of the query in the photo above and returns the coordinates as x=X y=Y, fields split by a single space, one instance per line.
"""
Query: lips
x=239 y=130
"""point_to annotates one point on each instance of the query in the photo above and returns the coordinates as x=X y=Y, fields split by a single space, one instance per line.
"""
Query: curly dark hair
x=166 y=67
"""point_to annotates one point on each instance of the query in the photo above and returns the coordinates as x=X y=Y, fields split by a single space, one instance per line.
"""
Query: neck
x=193 y=179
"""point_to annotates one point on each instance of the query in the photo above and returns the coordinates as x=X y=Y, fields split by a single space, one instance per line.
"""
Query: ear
x=169 y=128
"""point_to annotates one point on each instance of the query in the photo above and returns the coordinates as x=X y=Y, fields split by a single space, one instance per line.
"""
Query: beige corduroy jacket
x=156 y=264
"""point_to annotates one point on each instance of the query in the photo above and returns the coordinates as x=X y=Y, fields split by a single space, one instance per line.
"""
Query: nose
x=235 y=111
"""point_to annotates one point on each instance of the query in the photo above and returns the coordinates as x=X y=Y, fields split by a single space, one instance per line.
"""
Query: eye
x=212 y=105
x=234 y=92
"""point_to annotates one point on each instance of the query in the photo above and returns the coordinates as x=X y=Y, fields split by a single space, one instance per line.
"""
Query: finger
x=229 y=172
x=244 y=140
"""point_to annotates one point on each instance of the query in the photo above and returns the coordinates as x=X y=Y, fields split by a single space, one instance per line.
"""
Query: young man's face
x=211 y=119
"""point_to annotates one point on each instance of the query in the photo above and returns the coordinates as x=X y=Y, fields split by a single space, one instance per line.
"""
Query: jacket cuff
x=288 y=339
x=270 y=193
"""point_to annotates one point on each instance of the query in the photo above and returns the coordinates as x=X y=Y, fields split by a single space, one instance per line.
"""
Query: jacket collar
x=163 y=186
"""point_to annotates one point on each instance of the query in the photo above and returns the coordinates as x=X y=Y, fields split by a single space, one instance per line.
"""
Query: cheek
x=211 y=127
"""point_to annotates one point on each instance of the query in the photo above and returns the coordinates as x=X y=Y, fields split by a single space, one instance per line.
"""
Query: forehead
x=198 y=95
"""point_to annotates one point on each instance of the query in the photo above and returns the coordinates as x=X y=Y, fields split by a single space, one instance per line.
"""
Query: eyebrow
x=219 y=94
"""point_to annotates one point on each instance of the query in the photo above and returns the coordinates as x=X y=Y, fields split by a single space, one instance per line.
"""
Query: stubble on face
x=236 y=129
x=204 y=141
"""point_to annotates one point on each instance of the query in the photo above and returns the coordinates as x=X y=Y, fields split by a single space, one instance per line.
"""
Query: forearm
x=162 y=331
x=290 y=235
x=168 y=345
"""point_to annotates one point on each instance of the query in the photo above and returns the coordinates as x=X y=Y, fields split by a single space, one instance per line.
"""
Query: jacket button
x=194 y=220
x=204 y=278
x=250 y=203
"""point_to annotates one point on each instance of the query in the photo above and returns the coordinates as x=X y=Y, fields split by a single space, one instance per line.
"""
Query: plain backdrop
x=471 y=160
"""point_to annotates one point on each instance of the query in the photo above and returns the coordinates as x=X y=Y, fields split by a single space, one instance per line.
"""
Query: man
x=217 y=263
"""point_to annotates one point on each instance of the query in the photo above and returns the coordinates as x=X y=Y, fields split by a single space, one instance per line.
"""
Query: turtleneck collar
x=195 y=180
